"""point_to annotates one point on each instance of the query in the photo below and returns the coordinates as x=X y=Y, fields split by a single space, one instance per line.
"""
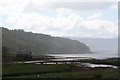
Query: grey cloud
x=69 y=5
x=83 y=5
x=31 y=7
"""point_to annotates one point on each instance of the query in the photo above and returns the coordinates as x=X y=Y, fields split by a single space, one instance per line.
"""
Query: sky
x=76 y=18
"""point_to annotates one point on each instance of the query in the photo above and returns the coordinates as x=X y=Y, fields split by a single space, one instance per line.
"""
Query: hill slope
x=17 y=40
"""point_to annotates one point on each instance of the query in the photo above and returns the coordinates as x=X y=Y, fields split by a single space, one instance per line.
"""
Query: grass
x=22 y=70
x=114 y=61
x=16 y=69
x=107 y=73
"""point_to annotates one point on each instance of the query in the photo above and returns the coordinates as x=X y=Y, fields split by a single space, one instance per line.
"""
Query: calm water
x=88 y=55
x=80 y=56
x=97 y=65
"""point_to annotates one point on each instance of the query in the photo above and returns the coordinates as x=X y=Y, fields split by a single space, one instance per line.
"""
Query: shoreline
x=77 y=68
x=62 y=58
x=53 y=60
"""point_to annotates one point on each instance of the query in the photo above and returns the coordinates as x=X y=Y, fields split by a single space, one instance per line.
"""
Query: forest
x=19 y=40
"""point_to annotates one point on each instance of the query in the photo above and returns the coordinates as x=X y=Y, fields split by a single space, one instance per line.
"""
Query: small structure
x=27 y=55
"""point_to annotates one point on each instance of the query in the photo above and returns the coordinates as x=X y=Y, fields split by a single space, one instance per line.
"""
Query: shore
x=109 y=61
x=78 y=65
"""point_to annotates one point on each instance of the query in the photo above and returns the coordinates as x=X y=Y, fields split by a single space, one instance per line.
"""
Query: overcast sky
x=62 y=17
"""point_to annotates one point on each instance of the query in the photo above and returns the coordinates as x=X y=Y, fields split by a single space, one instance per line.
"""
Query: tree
x=4 y=51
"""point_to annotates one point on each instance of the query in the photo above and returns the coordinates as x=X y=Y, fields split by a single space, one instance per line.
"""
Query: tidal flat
x=31 y=70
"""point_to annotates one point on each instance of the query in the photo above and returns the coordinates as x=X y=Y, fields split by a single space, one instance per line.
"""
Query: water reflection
x=97 y=65
x=75 y=63
x=87 y=55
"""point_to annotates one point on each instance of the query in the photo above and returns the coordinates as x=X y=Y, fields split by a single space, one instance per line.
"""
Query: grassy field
x=22 y=70
x=114 y=61
x=17 y=69
x=13 y=70
x=107 y=73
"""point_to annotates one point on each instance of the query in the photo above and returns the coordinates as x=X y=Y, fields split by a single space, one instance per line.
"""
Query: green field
x=113 y=61
x=20 y=70
x=108 y=73
x=17 y=69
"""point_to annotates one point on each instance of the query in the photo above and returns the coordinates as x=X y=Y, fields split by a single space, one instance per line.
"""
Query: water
x=70 y=57
x=88 y=55
x=80 y=63
x=98 y=65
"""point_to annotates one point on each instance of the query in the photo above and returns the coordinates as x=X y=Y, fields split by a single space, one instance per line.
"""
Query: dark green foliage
x=17 y=40
x=114 y=61
x=5 y=52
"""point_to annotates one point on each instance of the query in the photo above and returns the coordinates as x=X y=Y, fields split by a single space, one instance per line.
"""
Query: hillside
x=16 y=40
